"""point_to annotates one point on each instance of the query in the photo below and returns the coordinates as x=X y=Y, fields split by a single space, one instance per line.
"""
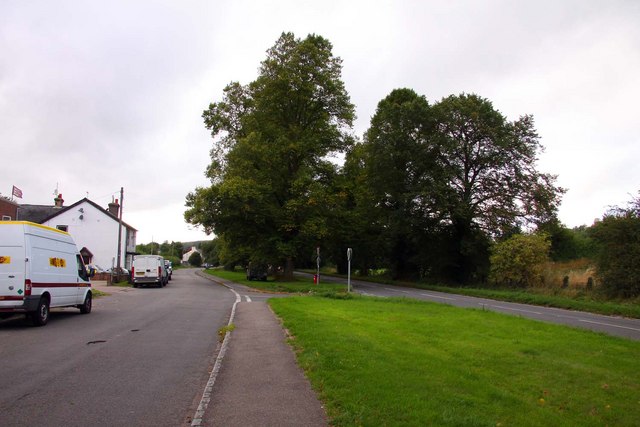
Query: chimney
x=58 y=201
x=113 y=208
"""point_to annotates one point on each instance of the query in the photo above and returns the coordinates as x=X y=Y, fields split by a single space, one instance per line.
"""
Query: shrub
x=520 y=260
x=618 y=236
x=195 y=259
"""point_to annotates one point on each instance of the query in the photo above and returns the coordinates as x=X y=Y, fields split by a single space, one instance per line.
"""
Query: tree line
x=426 y=193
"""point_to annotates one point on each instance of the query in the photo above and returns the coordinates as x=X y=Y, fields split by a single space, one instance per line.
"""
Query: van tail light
x=159 y=271
x=132 y=271
x=27 y=287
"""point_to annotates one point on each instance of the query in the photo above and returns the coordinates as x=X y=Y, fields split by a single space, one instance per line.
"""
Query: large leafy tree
x=270 y=175
x=401 y=175
x=493 y=186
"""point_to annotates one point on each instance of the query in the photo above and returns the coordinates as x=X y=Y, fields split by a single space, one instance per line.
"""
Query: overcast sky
x=98 y=95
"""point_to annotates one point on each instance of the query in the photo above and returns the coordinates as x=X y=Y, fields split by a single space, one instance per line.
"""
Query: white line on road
x=608 y=324
x=437 y=296
x=512 y=309
x=370 y=295
x=398 y=290
x=247 y=297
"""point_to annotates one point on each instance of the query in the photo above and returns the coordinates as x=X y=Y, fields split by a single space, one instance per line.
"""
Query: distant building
x=94 y=229
x=187 y=255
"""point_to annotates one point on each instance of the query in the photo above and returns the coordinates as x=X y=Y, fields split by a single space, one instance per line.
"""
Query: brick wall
x=8 y=208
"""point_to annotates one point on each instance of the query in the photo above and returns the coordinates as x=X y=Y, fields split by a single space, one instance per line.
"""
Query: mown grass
x=386 y=362
x=300 y=285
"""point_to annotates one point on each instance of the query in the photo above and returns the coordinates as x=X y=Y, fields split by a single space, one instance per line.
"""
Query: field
x=377 y=362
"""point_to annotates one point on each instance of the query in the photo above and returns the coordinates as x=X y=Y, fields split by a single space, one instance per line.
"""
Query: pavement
x=260 y=383
x=256 y=380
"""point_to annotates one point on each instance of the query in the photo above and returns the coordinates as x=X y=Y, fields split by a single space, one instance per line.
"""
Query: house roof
x=40 y=213
x=36 y=213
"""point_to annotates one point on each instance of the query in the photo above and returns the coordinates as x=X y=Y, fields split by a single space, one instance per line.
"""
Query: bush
x=195 y=259
x=520 y=260
x=618 y=236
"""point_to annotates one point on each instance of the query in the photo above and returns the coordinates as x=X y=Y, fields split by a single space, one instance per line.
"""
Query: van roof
x=33 y=224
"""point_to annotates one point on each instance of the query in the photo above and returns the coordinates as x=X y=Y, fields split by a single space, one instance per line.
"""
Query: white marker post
x=349 y=255
x=318 y=265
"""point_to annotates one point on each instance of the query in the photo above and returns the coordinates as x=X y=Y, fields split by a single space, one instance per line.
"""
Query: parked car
x=40 y=268
x=149 y=270
x=257 y=271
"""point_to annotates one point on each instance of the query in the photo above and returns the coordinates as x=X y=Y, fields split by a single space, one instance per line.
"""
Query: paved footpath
x=259 y=382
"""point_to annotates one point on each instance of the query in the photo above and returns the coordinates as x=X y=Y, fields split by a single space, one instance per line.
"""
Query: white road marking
x=513 y=309
x=608 y=324
x=247 y=297
x=370 y=295
x=437 y=296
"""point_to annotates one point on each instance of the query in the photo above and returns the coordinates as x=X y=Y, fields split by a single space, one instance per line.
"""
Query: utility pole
x=120 y=229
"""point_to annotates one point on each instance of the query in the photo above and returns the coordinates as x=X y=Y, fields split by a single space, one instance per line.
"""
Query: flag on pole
x=17 y=192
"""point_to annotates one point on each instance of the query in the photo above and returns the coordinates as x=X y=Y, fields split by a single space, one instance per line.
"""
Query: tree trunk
x=288 y=270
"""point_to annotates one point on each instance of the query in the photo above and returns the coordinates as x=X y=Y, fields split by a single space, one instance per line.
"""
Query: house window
x=6 y=218
x=62 y=227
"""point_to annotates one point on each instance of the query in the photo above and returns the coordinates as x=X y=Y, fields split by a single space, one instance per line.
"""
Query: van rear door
x=12 y=274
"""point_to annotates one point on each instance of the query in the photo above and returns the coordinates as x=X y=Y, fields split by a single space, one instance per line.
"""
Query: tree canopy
x=425 y=194
x=269 y=172
x=443 y=180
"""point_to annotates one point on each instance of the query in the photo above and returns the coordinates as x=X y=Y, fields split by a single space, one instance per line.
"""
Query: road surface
x=141 y=358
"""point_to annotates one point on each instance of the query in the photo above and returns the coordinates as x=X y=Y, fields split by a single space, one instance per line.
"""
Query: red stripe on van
x=11 y=298
x=60 y=285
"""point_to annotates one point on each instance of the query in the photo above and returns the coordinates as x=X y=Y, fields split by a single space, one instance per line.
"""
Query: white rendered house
x=94 y=229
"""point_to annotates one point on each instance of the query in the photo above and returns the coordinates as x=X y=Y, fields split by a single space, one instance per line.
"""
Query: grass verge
x=400 y=362
x=300 y=285
x=97 y=294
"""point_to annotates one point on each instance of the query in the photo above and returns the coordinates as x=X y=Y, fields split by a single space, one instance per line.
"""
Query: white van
x=40 y=268
x=147 y=270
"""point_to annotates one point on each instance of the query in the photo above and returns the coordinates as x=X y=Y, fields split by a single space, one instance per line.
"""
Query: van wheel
x=41 y=316
x=85 y=308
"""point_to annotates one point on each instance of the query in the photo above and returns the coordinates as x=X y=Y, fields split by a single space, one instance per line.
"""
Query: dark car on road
x=257 y=271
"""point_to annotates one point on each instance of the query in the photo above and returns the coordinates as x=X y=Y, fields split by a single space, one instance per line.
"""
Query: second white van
x=149 y=270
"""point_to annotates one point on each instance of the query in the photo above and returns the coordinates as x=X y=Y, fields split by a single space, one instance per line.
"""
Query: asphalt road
x=618 y=326
x=141 y=358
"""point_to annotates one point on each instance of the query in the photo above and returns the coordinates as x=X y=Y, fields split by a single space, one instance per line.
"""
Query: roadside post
x=349 y=255
x=318 y=265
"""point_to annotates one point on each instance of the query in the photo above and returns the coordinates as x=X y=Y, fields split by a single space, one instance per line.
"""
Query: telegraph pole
x=120 y=229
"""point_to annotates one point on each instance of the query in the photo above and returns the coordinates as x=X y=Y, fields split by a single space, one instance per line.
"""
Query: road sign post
x=349 y=255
